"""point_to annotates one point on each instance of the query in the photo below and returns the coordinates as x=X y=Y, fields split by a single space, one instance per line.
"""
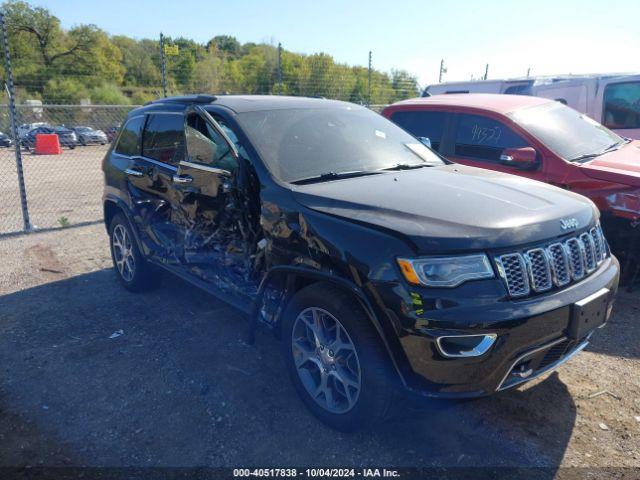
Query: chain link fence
x=64 y=189
x=54 y=191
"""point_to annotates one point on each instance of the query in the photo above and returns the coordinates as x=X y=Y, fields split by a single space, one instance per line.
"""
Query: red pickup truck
x=540 y=139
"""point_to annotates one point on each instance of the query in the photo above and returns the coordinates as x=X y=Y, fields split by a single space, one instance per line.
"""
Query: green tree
x=43 y=50
x=64 y=66
x=140 y=60
x=404 y=85
x=108 y=94
x=64 y=91
x=227 y=45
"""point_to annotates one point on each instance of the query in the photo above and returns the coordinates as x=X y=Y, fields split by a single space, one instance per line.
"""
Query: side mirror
x=425 y=141
x=521 y=158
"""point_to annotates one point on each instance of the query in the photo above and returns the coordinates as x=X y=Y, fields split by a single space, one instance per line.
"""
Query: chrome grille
x=589 y=251
x=541 y=268
x=559 y=264
x=514 y=271
x=598 y=240
x=576 y=257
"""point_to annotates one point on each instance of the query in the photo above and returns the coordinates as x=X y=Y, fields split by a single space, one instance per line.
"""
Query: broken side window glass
x=206 y=146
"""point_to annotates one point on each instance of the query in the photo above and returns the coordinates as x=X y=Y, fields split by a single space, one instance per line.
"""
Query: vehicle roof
x=494 y=102
x=545 y=78
x=242 y=103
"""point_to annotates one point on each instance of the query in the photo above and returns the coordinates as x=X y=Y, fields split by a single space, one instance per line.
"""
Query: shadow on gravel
x=94 y=375
x=621 y=336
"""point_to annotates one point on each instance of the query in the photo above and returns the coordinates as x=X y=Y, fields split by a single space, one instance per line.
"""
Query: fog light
x=465 y=345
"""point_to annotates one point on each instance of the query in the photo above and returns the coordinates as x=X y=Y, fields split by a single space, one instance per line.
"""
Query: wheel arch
x=111 y=207
x=293 y=278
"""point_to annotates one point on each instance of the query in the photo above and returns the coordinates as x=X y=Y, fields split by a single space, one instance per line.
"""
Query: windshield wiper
x=610 y=148
x=585 y=156
x=328 y=176
x=614 y=146
x=406 y=166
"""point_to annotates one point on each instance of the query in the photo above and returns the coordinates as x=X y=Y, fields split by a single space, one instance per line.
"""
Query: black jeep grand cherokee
x=378 y=263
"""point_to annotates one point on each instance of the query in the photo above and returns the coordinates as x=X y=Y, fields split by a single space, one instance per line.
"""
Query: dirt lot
x=66 y=186
x=178 y=387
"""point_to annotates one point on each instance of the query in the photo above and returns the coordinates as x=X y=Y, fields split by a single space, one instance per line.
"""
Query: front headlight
x=445 y=271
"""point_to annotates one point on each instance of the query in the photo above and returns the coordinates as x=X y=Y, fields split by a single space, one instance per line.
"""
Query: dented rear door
x=151 y=182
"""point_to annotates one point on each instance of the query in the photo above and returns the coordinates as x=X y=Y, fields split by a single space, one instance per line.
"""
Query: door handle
x=182 y=179
x=133 y=173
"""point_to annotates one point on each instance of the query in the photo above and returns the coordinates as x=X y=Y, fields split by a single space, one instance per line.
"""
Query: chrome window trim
x=159 y=112
x=157 y=162
x=147 y=159
x=205 y=168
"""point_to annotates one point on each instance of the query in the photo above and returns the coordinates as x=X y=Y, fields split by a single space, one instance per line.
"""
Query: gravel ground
x=177 y=386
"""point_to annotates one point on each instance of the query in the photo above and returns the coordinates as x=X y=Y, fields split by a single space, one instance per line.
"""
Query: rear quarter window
x=129 y=140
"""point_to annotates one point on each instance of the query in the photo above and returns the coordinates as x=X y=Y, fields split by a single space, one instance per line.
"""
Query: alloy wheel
x=123 y=252
x=326 y=360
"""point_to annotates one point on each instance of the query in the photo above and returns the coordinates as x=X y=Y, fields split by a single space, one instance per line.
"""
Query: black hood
x=453 y=207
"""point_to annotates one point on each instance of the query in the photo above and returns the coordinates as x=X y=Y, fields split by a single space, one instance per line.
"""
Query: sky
x=548 y=37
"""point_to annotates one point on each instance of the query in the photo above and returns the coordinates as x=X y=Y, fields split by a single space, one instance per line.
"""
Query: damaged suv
x=382 y=267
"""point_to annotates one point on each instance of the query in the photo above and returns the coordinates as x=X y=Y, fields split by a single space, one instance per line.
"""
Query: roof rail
x=200 y=98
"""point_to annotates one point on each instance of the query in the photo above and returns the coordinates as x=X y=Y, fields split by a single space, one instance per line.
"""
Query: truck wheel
x=335 y=358
x=133 y=271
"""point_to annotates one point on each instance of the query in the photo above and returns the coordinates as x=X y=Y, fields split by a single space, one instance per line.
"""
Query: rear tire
x=335 y=358
x=132 y=270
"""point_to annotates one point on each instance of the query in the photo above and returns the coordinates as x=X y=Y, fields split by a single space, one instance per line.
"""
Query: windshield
x=304 y=143
x=622 y=105
x=83 y=129
x=570 y=134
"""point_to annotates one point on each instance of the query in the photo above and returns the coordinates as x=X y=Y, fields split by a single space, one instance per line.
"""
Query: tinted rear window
x=163 y=138
x=129 y=141
x=422 y=124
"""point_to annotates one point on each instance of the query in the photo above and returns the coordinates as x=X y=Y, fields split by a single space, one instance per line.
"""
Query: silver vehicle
x=87 y=135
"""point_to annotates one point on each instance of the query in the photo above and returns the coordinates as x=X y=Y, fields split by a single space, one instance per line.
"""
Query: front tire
x=133 y=271
x=335 y=358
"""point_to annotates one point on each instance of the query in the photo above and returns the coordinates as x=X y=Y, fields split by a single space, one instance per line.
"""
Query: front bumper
x=533 y=330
